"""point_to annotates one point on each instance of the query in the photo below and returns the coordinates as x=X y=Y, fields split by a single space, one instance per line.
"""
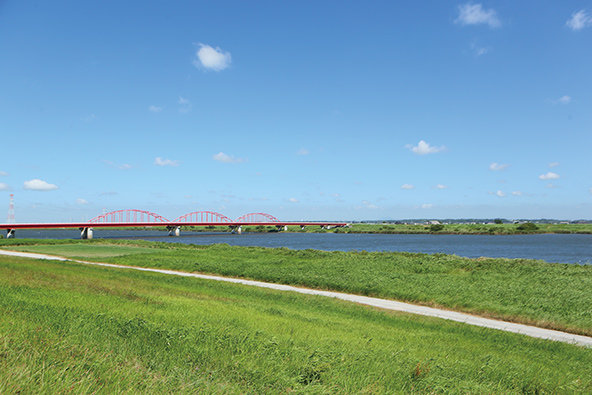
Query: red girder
x=257 y=217
x=204 y=217
x=131 y=216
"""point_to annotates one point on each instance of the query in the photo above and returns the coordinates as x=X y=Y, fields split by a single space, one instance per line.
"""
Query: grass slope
x=73 y=328
x=555 y=296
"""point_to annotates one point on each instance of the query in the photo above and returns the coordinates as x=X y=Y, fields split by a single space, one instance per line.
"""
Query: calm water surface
x=549 y=247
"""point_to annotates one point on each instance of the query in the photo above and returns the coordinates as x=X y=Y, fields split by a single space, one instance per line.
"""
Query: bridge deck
x=163 y=224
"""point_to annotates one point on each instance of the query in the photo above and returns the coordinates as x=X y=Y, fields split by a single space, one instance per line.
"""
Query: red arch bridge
x=141 y=218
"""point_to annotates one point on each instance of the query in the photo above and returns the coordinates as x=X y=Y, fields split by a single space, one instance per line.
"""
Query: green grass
x=74 y=328
x=555 y=296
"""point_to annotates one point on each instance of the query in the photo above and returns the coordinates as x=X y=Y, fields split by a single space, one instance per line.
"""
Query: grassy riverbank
x=555 y=296
x=75 y=328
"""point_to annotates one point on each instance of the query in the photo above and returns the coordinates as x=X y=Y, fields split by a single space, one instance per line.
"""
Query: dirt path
x=375 y=302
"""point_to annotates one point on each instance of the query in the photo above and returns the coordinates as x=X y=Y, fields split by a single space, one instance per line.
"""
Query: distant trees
x=498 y=221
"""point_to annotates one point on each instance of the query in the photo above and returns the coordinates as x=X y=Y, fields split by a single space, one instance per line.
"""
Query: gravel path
x=375 y=302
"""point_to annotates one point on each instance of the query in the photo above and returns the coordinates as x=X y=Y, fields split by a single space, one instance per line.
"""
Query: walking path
x=375 y=302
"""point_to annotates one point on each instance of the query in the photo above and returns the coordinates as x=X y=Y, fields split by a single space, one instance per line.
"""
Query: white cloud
x=549 y=176
x=474 y=14
x=166 y=162
x=212 y=58
x=39 y=185
x=497 y=166
x=440 y=186
x=479 y=50
x=370 y=205
x=293 y=200
x=579 y=20
x=3 y=174
x=185 y=105
x=222 y=157
x=517 y=193
x=4 y=187
x=553 y=164
x=81 y=201
x=89 y=118
x=154 y=109
x=424 y=148
x=124 y=166
x=500 y=194
x=303 y=151
x=551 y=186
x=564 y=100
x=427 y=206
x=407 y=187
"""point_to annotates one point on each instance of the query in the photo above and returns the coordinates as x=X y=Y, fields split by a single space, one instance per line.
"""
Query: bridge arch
x=204 y=217
x=129 y=216
x=257 y=217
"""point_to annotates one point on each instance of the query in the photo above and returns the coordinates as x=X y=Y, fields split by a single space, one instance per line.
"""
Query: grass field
x=74 y=328
x=555 y=296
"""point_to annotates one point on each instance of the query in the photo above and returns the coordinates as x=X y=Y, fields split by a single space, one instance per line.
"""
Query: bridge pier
x=174 y=230
x=86 y=233
x=11 y=233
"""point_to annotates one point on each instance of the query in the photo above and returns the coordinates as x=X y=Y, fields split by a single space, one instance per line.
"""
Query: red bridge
x=141 y=218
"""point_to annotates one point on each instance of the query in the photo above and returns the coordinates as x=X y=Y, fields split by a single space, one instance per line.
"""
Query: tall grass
x=71 y=328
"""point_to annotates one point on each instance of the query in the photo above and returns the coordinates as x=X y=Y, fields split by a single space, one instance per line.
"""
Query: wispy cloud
x=441 y=186
x=407 y=187
x=426 y=206
x=81 y=201
x=122 y=166
x=498 y=167
x=293 y=200
x=166 y=162
x=500 y=194
x=39 y=185
x=423 y=148
x=4 y=187
x=549 y=176
x=3 y=174
x=155 y=109
x=564 y=100
x=185 y=105
x=209 y=58
x=517 y=193
x=474 y=14
x=224 y=158
x=89 y=118
x=579 y=20
x=553 y=164
x=479 y=50
x=303 y=151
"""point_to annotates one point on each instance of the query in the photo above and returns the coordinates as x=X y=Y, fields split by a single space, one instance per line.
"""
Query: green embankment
x=75 y=328
x=555 y=296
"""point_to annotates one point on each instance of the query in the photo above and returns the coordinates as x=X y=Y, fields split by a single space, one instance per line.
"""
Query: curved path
x=527 y=330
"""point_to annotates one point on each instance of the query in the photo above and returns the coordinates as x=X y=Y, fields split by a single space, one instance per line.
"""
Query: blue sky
x=304 y=110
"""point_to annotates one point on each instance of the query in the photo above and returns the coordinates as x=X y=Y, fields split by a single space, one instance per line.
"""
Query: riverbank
x=69 y=327
x=553 y=296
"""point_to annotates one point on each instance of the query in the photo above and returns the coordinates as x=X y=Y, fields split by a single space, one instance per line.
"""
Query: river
x=560 y=248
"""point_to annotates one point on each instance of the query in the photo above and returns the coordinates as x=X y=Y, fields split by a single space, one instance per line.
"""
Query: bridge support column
x=11 y=233
x=239 y=230
x=86 y=233
x=174 y=230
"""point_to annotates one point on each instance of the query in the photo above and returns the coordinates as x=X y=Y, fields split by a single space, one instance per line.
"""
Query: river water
x=563 y=248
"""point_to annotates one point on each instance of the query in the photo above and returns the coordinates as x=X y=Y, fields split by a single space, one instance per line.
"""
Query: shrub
x=436 y=227
x=527 y=227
